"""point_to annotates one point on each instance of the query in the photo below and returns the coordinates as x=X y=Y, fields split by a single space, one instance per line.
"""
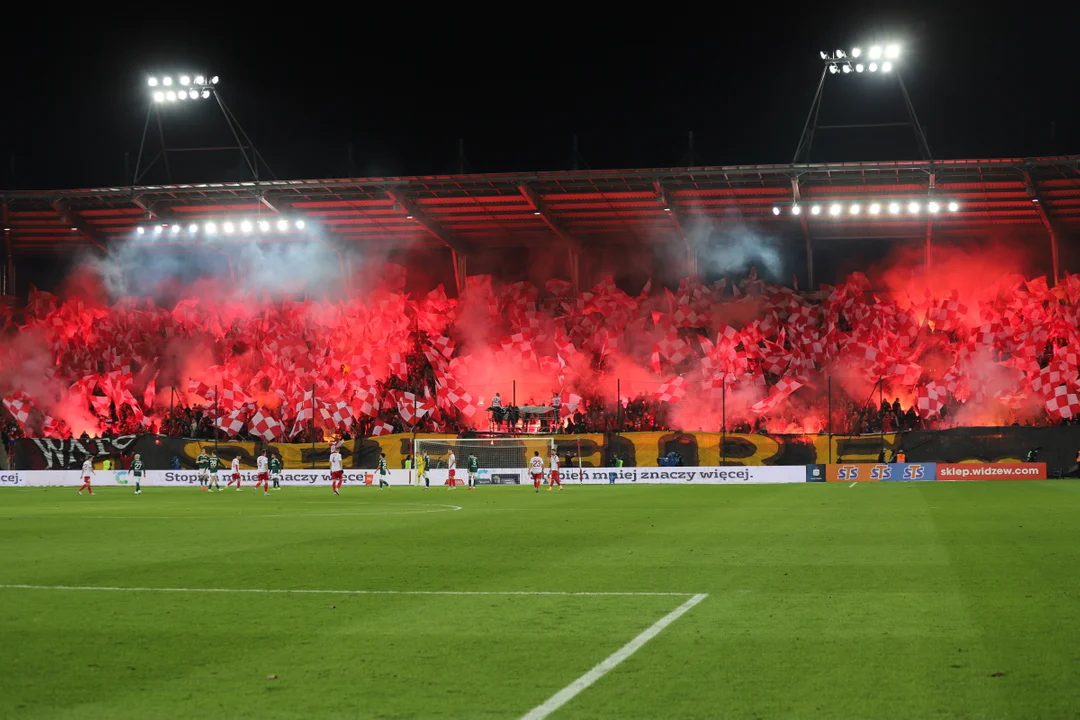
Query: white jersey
x=263 y=464
x=536 y=465
x=451 y=462
x=236 y=465
x=87 y=468
x=554 y=462
x=335 y=462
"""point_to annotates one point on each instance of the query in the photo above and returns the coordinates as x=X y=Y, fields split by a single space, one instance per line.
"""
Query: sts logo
x=846 y=472
x=914 y=472
x=880 y=472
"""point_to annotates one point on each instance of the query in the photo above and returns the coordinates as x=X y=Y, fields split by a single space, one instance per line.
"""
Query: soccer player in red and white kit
x=555 y=472
x=263 y=473
x=337 y=474
x=236 y=472
x=87 y=471
x=536 y=469
x=451 y=462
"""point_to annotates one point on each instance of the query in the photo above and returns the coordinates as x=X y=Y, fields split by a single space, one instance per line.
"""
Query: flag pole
x=172 y=394
x=723 y=421
x=215 y=420
x=312 y=426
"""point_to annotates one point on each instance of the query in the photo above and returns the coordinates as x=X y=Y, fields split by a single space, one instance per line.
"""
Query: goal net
x=492 y=454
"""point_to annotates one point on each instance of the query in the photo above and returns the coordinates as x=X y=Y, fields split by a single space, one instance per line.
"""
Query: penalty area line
x=853 y=484
x=305 y=591
x=572 y=690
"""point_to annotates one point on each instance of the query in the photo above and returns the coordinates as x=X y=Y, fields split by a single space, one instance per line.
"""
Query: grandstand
x=1036 y=199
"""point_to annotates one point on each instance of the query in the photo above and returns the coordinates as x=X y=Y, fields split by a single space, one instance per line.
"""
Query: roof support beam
x=9 y=276
x=807 y=237
x=677 y=223
x=929 y=246
x=73 y=220
x=437 y=231
x=573 y=245
x=1048 y=223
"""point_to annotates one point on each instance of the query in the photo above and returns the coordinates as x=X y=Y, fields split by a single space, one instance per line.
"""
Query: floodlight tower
x=880 y=61
x=173 y=92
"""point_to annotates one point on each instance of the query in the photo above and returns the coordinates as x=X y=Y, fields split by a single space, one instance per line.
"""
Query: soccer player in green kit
x=214 y=463
x=137 y=472
x=275 y=471
x=473 y=466
x=203 y=463
x=384 y=473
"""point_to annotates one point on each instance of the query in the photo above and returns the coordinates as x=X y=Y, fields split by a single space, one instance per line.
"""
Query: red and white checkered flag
x=1063 y=403
x=231 y=423
x=264 y=426
x=19 y=405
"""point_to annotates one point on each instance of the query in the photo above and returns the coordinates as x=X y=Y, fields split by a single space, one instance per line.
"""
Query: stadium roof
x=578 y=207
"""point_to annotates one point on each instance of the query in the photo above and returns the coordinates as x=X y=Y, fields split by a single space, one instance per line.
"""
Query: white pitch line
x=304 y=591
x=442 y=509
x=853 y=484
x=572 y=690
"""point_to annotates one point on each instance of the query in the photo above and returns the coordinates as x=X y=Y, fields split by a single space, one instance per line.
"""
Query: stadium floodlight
x=824 y=56
x=141 y=230
x=892 y=52
x=872 y=67
x=894 y=208
x=796 y=210
x=175 y=230
x=228 y=227
x=913 y=208
x=886 y=66
x=855 y=209
x=210 y=228
x=847 y=69
x=775 y=210
x=933 y=207
x=245 y=226
x=859 y=67
x=875 y=209
x=833 y=69
x=835 y=210
x=875 y=53
x=954 y=206
x=187 y=90
x=264 y=226
x=841 y=54
x=816 y=210
x=282 y=225
x=299 y=224
x=214 y=80
x=193 y=228
x=158 y=229
x=856 y=52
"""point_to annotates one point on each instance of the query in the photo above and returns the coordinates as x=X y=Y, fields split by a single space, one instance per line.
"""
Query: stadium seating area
x=758 y=357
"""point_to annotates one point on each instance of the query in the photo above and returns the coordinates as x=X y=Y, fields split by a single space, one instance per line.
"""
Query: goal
x=491 y=453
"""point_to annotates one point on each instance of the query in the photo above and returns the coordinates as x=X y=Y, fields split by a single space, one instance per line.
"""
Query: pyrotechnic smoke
x=730 y=247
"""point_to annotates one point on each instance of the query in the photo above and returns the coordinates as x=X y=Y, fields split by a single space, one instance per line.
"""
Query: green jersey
x=427 y=463
x=474 y=464
x=382 y=466
x=215 y=462
x=203 y=461
x=137 y=468
x=275 y=465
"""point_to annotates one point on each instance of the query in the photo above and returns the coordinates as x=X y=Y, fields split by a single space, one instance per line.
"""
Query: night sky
x=517 y=84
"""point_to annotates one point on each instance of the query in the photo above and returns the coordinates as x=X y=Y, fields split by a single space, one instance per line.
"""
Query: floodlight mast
x=192 y=89
x=878 y=60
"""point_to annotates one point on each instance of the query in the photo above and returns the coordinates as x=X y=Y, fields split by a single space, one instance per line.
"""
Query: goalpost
x=492 y=454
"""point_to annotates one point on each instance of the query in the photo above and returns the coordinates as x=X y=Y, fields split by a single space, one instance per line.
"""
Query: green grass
x=893 y=600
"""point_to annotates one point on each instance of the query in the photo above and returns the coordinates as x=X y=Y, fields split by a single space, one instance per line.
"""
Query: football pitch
x=898 y=600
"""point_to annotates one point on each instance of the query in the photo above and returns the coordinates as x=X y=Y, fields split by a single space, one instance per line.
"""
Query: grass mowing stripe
x=304 y=591
x=572 y=690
